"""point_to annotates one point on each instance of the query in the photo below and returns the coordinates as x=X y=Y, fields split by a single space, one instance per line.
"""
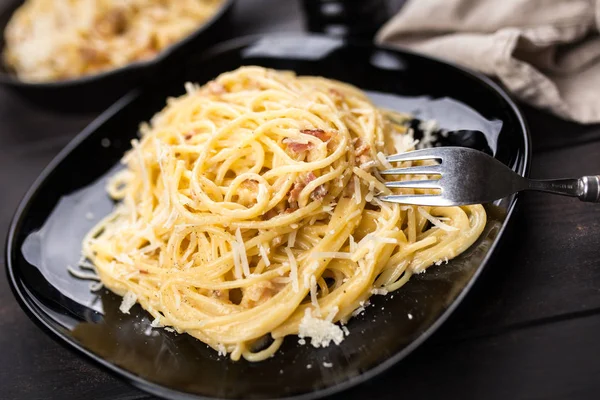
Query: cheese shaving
x=384 y=162
x=380 y=292
x=293 y=268
x=435 y=221
x=313 y=294
x=128 y=301
x=292 y=238
x=357 y=194
x=237 y=264
x=264 y=255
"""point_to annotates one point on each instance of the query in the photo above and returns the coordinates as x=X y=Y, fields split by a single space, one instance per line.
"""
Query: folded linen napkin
x=546 y=52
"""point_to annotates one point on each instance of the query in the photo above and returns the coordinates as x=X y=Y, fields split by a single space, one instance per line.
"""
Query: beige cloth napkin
x=546 y=52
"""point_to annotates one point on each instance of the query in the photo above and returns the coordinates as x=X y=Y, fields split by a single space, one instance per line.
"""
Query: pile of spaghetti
x=49 y=40
x=248 y=210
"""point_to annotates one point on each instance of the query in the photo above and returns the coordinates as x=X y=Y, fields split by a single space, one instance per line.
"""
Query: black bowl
x=98 y=91
x=46 y=233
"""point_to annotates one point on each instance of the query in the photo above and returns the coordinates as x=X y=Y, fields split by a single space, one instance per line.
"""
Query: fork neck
x=586 y=188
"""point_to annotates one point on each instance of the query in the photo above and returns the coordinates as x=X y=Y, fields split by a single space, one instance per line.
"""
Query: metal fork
x=468 y=176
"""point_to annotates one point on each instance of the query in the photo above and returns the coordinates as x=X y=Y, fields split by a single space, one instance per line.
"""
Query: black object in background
x=357 y=19
x=96 y=92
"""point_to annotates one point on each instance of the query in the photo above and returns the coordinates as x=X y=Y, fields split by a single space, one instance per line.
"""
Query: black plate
x=96 y=92
x=47 y=230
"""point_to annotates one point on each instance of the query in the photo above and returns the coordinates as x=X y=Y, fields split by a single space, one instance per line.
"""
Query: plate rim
x=40 y=318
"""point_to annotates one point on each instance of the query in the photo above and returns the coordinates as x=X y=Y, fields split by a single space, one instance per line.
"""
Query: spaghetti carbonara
x=49 y=40
x=248 y=211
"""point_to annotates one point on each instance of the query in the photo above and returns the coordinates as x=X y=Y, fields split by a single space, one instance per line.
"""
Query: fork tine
x=418 y=199
x=416 y=155
x=419 y=170
x=424 y=184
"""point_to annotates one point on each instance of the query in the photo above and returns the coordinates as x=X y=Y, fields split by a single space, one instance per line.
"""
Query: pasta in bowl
x=58 y=40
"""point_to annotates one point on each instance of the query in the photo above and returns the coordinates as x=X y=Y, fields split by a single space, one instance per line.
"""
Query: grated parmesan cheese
x=237 y=265
x=428 y=128
x=263 y=255
x=440 y=261
x=380 y=292
x=331 y=254
x=177 y=298
x=191 y=87
x=384 y=162
x=292 y=238
x=293 y=268
x=352 y=244
x=328 y=209
x=313 y=294
x=242 y=252
x=357 y=194
x=435 y=221
x=358 y=311
x=321 y=332
x=128 y=301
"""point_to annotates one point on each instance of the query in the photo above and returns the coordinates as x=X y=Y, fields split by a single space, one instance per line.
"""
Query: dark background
x=529 y=330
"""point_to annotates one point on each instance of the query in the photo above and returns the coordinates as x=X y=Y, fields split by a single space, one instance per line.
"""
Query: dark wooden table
x=529 y=330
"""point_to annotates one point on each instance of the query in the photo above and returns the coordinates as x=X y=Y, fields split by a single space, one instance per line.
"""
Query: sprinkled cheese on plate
x=321 y=332
x=128 y=301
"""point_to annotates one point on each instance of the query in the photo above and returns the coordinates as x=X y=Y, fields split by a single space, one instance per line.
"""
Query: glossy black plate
x=69 y=197
x=98 y=91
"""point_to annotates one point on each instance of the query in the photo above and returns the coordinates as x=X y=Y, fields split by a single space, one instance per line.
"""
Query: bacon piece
x=272 y=213
x=275 y=211
x=318 y=133
x=360 y=147
x=257 y=293
x=220 y=294
x=348 y=191
x=336 y=93
x=112 y=23
x=297 y=147
x=319 y=193
x=361 y=150
x=92 y=56
x=215 y=88
x=299 y=186
x=188 y=135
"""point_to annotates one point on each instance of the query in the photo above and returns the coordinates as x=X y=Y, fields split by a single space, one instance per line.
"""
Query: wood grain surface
x=529 y=329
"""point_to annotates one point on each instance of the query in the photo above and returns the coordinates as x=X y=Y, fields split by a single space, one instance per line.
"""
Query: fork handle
x=587 y=188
